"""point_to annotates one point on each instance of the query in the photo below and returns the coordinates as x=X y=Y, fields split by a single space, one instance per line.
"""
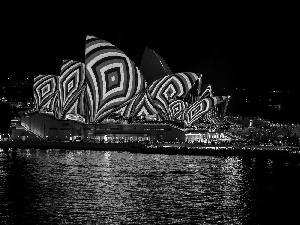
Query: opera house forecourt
x=107 y=99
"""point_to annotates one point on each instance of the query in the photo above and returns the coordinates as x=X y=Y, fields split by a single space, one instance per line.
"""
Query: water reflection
x=232 y=170
x=81 y=187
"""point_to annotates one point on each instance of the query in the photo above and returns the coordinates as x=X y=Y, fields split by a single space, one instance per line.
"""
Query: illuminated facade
x=108 y=96
x=71 y=89
x=45 y=91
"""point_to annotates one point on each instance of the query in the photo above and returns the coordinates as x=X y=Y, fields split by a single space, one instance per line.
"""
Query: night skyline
x=251 y=47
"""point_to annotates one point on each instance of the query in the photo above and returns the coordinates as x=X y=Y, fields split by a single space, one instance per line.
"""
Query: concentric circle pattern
x=45 y=90
x=108 y=82
x=112 y=77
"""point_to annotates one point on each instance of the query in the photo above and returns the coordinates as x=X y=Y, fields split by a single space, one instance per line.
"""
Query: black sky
x=231 y=45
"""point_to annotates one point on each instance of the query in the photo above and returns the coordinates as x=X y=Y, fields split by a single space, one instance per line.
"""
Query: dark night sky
x=243 y=45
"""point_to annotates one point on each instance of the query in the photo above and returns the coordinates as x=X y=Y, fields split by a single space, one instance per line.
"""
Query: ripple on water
x=66 y=187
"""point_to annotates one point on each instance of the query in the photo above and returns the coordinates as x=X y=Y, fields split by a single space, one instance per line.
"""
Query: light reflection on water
x=86 y=187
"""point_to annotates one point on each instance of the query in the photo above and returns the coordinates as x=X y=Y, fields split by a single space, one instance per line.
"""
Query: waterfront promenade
x=284 y=152
x=69 y=145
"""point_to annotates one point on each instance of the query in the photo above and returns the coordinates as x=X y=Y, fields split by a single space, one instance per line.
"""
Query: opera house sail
x=112 y=78
x=199 y=108
x=153 y=66
x=140 y=105
x=71 y=90
x=172 y=86
x=109 y=83
x=45 y=91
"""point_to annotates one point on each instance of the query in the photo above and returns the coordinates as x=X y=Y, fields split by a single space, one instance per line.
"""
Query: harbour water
x=109 y=187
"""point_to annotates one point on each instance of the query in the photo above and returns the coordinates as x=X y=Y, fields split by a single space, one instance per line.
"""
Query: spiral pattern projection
x=112 y=78
x=140 y=105
x=45 y=92
x=127 y=108
x=144 y=105
x=199 y=108
x=172 y=86
x=215 y=114
x=109 y=82
x=206 y=91
x=71 y=89
x=177 y=108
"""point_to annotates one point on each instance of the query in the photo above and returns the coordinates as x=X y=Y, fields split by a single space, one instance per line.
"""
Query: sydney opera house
x=108 y=98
